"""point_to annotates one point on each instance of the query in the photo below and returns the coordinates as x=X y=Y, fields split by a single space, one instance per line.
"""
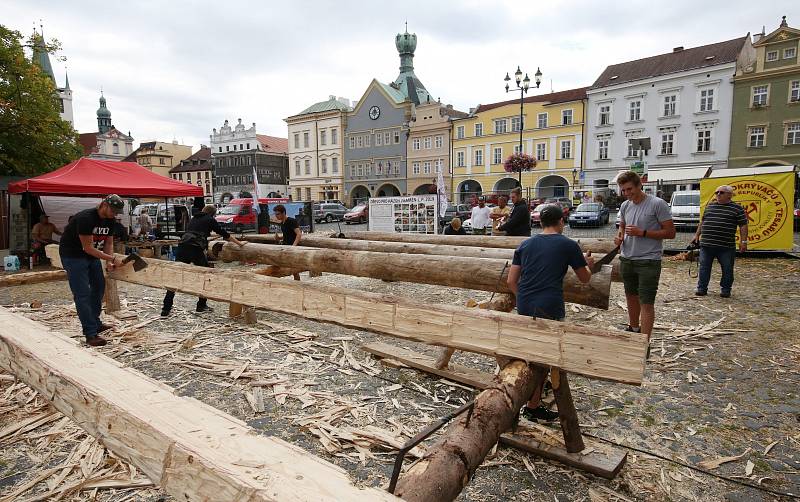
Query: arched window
x=115 y=148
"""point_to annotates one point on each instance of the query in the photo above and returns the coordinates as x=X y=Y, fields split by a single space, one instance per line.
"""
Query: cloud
x=178 y=69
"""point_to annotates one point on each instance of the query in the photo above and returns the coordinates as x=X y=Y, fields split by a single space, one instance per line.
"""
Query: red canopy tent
x=92 y=177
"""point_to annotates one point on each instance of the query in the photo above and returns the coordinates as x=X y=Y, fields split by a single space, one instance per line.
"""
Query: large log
x=482 y=274
x=316 y=241
x=594 y=352
x=32 y=278
x=595 y=245
x=191 y=450
x=442 y=473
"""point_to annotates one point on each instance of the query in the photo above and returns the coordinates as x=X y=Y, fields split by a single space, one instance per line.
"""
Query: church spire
x=66 y=80
x=40 y=56
x=103 y=115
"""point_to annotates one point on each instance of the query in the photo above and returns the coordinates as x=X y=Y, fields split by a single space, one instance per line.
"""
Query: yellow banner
x=768 y=201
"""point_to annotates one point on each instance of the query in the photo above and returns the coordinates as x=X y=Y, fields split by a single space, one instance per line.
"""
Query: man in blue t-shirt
x=536 y=277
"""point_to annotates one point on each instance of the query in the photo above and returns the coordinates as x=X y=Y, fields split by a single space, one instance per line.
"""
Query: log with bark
x=449 y=464
x=595 y=245
x=32 y=278
x=482 y=274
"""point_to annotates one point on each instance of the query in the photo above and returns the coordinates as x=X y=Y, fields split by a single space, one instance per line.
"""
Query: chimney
x=678 y=49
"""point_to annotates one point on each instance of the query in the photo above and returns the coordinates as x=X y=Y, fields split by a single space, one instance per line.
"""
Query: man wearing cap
x=480 y=217
x=716 y=235
x=87 y=239
x=536 y=277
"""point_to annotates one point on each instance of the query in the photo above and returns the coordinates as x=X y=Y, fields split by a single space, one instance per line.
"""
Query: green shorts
x=640 y=278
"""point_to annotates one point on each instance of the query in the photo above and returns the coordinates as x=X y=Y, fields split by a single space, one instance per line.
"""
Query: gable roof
x=551 y=98
x=673 y=62
x=198 y=161
x=272 y=144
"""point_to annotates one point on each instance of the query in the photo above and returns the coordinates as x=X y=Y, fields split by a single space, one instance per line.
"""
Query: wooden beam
x=599 y=353
x=595 y=245
x=191 y=450
x=32 y=278
x=482 y=274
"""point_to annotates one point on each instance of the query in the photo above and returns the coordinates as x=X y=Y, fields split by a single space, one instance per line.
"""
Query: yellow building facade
x=552 y=132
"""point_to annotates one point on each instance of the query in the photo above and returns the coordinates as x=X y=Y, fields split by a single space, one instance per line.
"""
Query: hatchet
x=138 y=262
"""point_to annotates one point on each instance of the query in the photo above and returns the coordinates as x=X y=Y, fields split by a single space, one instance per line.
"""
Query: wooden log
x=567 y=414
x=595 y=245
x=449 y=465
x=482 y=274
x=235 y=310
x=111 y=296
x=595 y=352
x=316 y=241
x=191 y=450
x=32 y=278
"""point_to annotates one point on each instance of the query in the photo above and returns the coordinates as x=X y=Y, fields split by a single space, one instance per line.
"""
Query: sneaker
x=539 y=414
x=725 y=294
x=204 y=308
x=164 y=312
x=96 y=341
x=700 y=292
x=633 y=330
x=104 y=327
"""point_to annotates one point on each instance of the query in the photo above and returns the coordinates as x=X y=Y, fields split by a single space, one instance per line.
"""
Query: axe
x=605 y=260
x=138 y=262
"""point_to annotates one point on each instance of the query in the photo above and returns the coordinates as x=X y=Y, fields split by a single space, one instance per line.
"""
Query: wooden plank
x=567 y=414
x=600 y=459
x=191 y=450
x=454 y=372
x=32 y=278
x=599 y=353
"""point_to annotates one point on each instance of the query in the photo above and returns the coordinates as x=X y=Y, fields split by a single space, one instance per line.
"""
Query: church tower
x=42 y=59
x=103 y=116
x=407 y=82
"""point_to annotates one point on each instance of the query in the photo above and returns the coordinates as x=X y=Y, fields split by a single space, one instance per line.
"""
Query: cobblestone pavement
x=722 y=382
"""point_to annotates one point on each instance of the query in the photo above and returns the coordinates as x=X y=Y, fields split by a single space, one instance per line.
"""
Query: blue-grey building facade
x=376 y=133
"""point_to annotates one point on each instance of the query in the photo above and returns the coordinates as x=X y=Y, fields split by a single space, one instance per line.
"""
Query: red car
x=535 y=213
x=359 y=214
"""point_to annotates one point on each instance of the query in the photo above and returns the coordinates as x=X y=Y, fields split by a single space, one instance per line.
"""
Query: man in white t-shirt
x=481 y=217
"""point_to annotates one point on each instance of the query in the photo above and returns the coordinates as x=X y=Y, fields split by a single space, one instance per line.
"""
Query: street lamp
x=522 y=85
x=574 y=180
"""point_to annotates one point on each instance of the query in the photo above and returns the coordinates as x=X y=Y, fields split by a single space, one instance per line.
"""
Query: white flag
x=256 y=192
x=441 y=191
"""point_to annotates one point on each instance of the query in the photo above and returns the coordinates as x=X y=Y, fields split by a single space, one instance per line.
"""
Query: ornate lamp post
x=523 y=84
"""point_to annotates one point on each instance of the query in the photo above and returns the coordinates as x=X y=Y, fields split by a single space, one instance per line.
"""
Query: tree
x=33 y=137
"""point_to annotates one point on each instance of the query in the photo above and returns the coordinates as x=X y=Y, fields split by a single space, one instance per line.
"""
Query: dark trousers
x=195 y=256
x=725 y=257
x=86 y=281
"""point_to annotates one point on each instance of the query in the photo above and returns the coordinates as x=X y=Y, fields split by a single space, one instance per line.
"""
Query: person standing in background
x=499 y=215
x=519 y=221
x=480 y=217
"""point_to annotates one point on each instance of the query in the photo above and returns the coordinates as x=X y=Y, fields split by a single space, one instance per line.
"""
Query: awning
x=678 y=174
x=750 y=171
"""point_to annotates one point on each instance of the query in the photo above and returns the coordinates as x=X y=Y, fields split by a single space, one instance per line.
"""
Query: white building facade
x=316 y=152
x=685 y=112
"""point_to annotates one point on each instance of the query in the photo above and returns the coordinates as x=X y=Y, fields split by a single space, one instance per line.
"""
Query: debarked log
x=32 y=278
x=595 y=245
x=482 y=274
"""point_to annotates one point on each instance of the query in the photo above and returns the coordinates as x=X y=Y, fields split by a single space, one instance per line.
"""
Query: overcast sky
x=175 y=70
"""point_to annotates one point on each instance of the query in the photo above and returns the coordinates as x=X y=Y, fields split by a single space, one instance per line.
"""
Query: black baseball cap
x=115 y=202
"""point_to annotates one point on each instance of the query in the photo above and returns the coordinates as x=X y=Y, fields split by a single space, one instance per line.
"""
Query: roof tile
x=551 y=98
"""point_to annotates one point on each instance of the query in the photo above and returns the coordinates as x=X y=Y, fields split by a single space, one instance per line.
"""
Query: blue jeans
x=85 y=277
x=726 y=257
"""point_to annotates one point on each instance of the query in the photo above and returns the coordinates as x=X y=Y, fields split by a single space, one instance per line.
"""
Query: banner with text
x=409 y=214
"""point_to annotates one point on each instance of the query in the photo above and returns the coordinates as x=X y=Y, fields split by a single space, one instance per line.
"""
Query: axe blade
x=138 y=262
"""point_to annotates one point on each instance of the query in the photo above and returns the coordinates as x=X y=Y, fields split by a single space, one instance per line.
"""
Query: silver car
x=328 y=212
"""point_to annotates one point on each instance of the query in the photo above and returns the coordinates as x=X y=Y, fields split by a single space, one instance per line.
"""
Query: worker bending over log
x=290 y=230
x=192 y=249
x=537 y=279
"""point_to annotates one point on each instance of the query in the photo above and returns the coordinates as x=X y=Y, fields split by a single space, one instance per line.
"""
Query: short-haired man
x=289 y=229
x=536 y=278
x=43 y=231
x=716 y=235
x=192 y=249
x=499 y=214
x=519 y=221
x=645 y=221
x=87 y=239
x=480 y=217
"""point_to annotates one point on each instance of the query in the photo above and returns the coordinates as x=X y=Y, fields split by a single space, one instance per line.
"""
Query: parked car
x=619 y=215
x=461 y=211
x=238 y=215
x=171 y=220
x=329 y=212
x=685 y=208
x=564 y=201
x=359 y=214
x=593 y=214
x=536 y=217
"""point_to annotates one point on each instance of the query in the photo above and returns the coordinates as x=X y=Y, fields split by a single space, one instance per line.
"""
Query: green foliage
x=33 y=138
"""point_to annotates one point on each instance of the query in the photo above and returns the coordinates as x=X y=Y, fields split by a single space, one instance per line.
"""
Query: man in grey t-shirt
x=645 y=222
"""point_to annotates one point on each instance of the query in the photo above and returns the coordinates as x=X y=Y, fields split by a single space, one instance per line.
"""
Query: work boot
x=725 y=294
x=104 y=327
x=165 y=312
x=96 y=341
x=700 y=292
x=539 y=413
x=204 y=308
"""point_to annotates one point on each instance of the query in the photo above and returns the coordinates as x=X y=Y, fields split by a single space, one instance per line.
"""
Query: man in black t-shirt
x=536 y=278
x=289 y=228
x=192 y=249
x=519 y=221
x=87 y=239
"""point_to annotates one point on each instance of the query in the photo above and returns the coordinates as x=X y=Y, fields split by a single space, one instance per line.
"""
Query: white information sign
x=410 y=214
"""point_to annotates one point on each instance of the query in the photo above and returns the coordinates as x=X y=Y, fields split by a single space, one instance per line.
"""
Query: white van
x=685 y=208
